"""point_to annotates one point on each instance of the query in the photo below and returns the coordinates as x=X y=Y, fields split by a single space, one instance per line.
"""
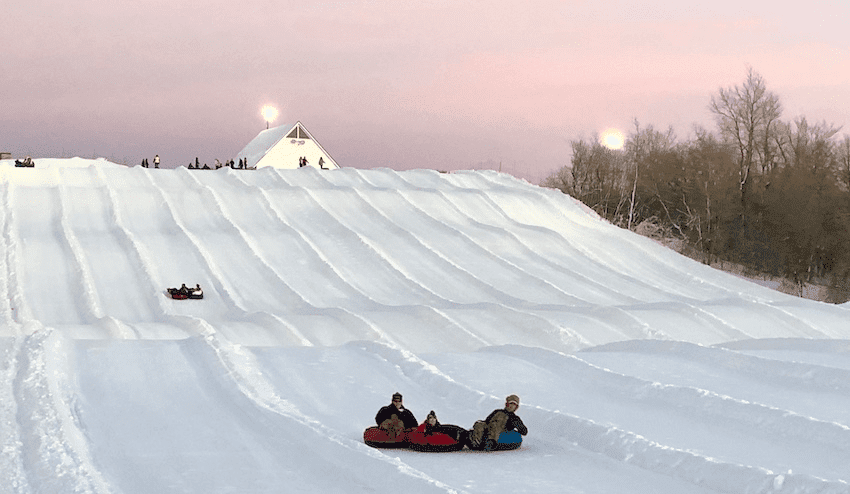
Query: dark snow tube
x=176 y=294
x=378 y=438
x=196 y=295
x=449 y=438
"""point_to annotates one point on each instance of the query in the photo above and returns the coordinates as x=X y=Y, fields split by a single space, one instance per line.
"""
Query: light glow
x=613 y=139
x=269 y=113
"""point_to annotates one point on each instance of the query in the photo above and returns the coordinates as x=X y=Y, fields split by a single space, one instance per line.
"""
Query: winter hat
x=397 y=395
x=432 y=414
x=512 y=398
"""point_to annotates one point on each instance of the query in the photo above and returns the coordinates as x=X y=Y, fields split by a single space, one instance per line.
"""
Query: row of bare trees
x=770 y=194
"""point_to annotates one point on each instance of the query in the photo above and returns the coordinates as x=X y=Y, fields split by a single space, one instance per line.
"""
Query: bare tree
x=648 y=153
x=561 y=179
x=709 y=198
x=596 y=177
x=843 y=159
x=747 y=116
x=804 y=209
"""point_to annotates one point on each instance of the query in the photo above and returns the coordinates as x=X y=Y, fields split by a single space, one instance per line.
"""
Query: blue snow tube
x=509 y=440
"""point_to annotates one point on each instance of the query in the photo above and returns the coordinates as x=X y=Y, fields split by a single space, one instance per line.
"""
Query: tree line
x=769 y=194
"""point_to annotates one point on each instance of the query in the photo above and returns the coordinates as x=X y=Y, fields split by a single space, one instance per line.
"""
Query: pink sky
x=426 y=84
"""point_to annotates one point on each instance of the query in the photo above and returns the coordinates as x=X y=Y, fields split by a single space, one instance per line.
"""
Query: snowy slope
x=639 y=370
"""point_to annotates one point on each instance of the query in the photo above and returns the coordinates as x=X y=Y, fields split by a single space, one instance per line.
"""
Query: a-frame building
x=286 y=146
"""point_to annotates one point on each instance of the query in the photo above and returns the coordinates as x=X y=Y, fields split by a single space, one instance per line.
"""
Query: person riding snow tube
x=185 y=292
x=501 y=430
x=504 y=440
x=434 y=437
x=178 y=293
x=393 y=424
x=26 y=163
x=196 y=293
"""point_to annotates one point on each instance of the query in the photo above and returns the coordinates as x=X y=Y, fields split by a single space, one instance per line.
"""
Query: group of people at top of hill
x=243 y=165
x=26 y=162
x=145 y=163
x=485 y=434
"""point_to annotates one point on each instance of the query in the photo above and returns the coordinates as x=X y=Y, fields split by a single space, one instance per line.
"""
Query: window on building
x=298 y=133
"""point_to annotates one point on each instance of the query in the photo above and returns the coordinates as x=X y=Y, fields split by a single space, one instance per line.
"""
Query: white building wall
x=286 y=154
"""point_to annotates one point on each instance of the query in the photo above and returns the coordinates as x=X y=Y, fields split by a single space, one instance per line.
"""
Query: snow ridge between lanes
x=506 y=302
x=55 y=449
x=140 y=256
x=222 y=286
x=10 y=433
x=548 y=266
x=245 y=372
x=510 y=302
x=282 y=290
x=692 y=402
x=808 y=376
x=615 y=443
x=378 y=254
x=87 y=292
x=11 y=447
x=314 y=247
x=700 y=470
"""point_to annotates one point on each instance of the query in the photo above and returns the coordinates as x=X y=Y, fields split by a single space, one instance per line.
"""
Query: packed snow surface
x=639 y=371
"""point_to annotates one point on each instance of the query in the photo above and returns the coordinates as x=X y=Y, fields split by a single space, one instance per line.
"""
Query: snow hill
x=639 y=370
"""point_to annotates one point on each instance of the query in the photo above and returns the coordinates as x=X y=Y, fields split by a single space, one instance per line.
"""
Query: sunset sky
x=426 y=84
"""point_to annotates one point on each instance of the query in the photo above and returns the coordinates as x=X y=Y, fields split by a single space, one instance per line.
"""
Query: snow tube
x=508 y=441
x=196 y=295
x=448 y=438
x=378 y=438
x=176 y=294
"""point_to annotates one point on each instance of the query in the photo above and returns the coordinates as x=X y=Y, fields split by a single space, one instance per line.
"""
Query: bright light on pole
x=613 y=139
x=269 y=114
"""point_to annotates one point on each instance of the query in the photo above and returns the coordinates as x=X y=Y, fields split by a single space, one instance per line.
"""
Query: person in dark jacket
x=394 y=418
x=486 y=432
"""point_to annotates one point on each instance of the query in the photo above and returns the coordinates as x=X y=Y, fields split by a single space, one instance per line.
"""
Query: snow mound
x=326 y=291
x=48 y=163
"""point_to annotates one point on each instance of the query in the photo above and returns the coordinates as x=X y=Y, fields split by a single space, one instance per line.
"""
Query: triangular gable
x=298 y=132
x=307 y=135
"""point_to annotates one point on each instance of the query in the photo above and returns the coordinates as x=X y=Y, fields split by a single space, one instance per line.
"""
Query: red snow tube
x=449 y=438
x=378 y=438
x=177 y=294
